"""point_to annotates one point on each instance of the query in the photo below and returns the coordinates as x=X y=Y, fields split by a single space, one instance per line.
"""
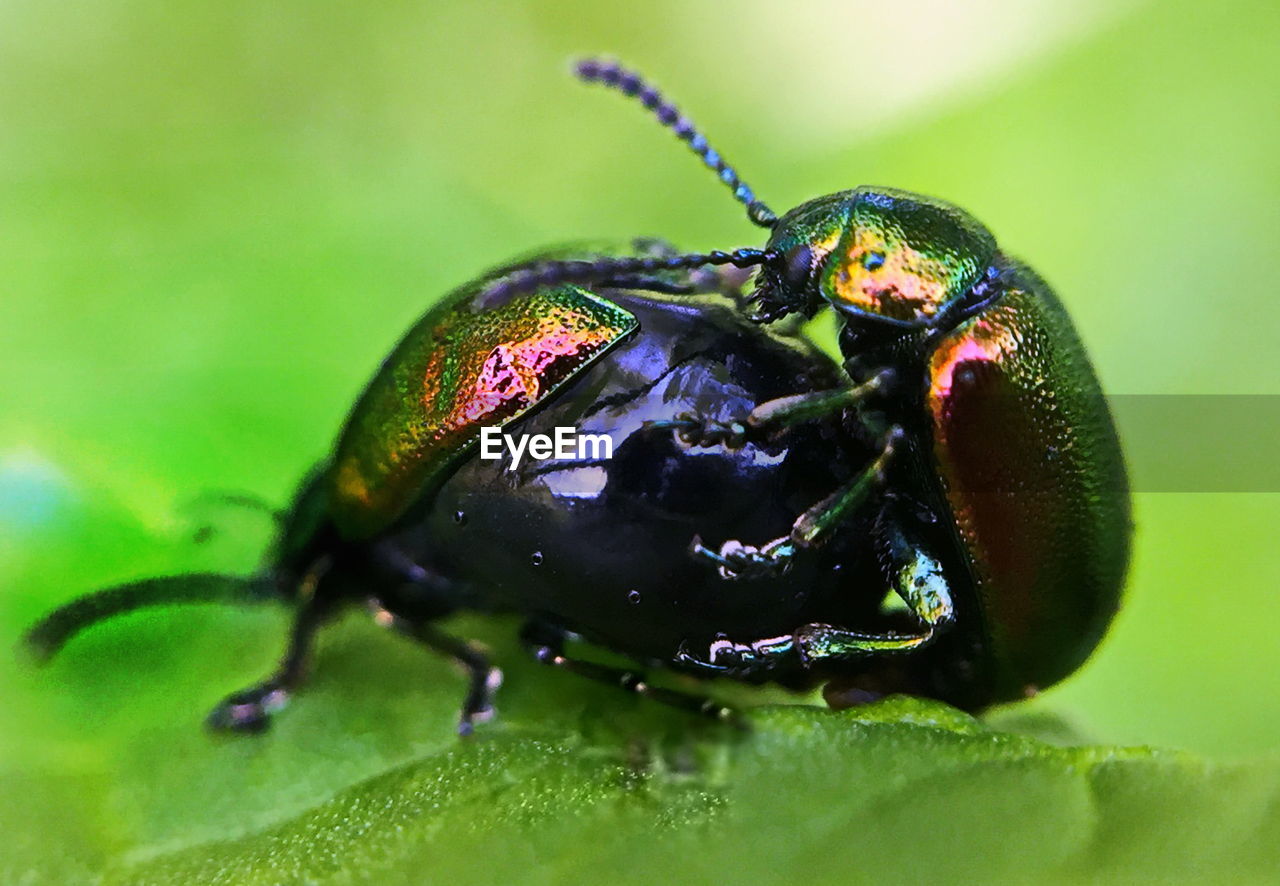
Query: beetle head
x=875 y=254
x=878 y=255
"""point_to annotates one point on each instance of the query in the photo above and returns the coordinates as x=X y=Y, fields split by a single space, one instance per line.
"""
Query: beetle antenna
x=611 y=74
x=53 y=631
x=232 y=499
x=552 y=273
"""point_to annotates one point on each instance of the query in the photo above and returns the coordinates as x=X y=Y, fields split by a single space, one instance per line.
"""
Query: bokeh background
x=215 y=219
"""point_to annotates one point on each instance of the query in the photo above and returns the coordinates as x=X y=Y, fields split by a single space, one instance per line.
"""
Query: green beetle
x=999 y=492
x=989 y=494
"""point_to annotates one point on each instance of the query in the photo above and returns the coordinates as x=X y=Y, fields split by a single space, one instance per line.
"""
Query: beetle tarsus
x=736 y=560
x=737 y=659
x=250 y=710
x=546 y=645
x=696 y=430
x=771 y=417
x=483 y=678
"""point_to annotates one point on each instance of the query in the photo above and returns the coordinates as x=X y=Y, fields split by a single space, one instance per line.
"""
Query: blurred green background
x=215 y=219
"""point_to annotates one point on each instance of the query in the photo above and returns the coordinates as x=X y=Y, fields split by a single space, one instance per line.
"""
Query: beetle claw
x=697 y=430
x=248 y=712
x=736 y=560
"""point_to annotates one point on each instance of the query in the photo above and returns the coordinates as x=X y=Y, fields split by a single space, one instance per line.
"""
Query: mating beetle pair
x=762 y=501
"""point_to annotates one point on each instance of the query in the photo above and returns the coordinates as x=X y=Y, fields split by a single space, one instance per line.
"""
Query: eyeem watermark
x=565 y=444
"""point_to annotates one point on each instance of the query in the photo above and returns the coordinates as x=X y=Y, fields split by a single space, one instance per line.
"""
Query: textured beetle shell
x=1031 y=467
x=459 y=369
x=904 y=259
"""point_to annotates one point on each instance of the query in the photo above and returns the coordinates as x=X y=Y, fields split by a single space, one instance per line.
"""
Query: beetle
x=999 y=488
x=987 y=491
x=599 y=546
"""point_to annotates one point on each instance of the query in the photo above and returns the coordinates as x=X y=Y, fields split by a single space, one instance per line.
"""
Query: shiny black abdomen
x=602 y=547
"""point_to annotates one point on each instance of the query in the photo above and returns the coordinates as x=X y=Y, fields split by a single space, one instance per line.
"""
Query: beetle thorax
x=882 y=255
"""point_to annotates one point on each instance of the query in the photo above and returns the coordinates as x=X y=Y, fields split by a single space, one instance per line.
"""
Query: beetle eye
x=799 y=266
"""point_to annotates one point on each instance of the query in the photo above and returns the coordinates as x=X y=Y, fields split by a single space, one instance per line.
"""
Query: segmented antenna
x=630 y=83
x=552 y=273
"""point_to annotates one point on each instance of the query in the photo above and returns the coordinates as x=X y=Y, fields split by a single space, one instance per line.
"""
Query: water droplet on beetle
x=460 y=517
x=633 y=597
x=536 y=559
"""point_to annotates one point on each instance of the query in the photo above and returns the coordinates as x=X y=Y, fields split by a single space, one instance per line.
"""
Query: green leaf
x=362 y=780
x=904 y=789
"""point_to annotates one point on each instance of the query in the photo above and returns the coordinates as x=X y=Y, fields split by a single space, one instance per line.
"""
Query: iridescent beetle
x=987 y=489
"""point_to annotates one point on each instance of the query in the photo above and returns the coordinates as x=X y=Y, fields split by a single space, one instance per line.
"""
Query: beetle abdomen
x=1031 y=468
x=601 y=546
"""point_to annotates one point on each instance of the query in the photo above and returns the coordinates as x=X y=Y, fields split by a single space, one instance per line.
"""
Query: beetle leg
x=770 y=416
x=484 y=678
x=736 y=560
x=726 y=657
x=546 y=645
x=816 y=525
x=812 y=528
x=250 y=710
x=696 y=430
x=785 y=412
x=917 y=577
